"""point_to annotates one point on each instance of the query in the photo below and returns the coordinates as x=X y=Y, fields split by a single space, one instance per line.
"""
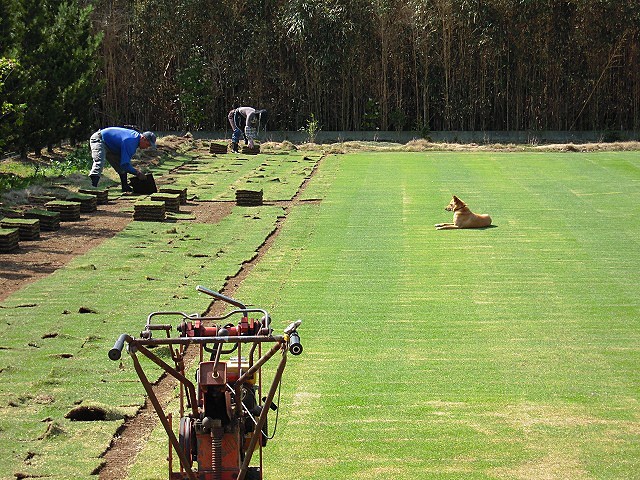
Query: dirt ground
x=35 y=259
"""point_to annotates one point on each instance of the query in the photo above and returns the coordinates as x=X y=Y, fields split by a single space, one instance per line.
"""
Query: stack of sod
x=149 y=210
x=217 y=148
x=28 y=228
x=10 y=212
x=9 y=238
x=180 y=191
x=248 y=198
x=251 y=151
x=88 y=203
x=41 y=199
x=171 y=201
x=102 y=196
x=49 y=221
x=69 y=211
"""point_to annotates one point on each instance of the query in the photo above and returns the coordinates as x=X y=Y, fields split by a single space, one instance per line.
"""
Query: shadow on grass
x=478 y=228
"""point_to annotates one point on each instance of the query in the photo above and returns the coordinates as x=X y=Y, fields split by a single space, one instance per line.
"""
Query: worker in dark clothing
x=117 y=145
x=249 y=119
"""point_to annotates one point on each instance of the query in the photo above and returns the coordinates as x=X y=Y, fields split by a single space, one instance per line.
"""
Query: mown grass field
x=505 y=353
x=510 y=352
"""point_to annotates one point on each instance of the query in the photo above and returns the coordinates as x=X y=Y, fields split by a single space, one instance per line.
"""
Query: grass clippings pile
x=422 y=145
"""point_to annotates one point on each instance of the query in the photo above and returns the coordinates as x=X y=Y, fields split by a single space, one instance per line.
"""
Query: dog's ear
x=456 y=199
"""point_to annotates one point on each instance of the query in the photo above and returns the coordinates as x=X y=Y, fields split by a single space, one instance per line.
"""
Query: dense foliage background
x=352 y=64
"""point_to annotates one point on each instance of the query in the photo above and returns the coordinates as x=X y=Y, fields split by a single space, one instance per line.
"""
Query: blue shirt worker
x=117 y=145
x=248 y=118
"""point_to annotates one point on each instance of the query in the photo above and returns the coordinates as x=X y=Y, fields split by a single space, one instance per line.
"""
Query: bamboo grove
x=364 y=64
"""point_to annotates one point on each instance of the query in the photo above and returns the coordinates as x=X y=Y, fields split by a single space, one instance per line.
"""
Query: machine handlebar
x=219 y=296
x=295 y=347
x=116 y=352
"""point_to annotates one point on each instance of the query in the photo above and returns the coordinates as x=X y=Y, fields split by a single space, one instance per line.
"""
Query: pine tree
x=72 y=49
x=11 y=109
x=57 y=51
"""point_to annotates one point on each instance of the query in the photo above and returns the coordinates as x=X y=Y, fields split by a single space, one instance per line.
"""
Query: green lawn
x=509 y=352
x=211 y=177
x=53 y=356
x=505 y=353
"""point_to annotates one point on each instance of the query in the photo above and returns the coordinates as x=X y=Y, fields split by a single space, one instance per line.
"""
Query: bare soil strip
x=36 y=259
x=133 y=435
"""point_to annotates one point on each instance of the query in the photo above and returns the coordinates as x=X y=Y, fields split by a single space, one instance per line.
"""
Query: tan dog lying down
x=463 y=217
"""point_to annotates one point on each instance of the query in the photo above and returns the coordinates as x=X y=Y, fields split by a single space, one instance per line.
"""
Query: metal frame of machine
x=223 y=415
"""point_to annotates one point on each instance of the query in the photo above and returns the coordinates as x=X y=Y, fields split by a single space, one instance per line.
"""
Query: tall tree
x=72 y=88
x=354 y=64
x=11 y=106
x=34 y=17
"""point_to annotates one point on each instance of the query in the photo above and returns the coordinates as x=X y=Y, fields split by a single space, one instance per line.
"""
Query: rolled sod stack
x=248 y=198
x=28 y=228
x=49 y=220
x=150 y=211
x=9 y=238
x=69 y=211
x=180 y=191
x=88 y=203
x=217 y=148
x=171 y=201
x=102 y=196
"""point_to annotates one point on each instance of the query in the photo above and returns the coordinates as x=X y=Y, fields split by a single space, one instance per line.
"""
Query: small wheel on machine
x=187 y=440
x=254 y=473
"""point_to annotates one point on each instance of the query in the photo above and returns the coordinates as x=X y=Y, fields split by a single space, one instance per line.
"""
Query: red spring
x=216 y=452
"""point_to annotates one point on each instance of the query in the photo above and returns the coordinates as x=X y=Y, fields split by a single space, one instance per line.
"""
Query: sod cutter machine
x=223 y=415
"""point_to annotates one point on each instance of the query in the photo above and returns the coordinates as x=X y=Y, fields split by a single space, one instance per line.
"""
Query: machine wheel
x=187 y=439
x=254 y=474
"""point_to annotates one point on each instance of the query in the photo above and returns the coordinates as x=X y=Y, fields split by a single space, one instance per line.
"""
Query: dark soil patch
x=87 y=414
x=38 y=258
